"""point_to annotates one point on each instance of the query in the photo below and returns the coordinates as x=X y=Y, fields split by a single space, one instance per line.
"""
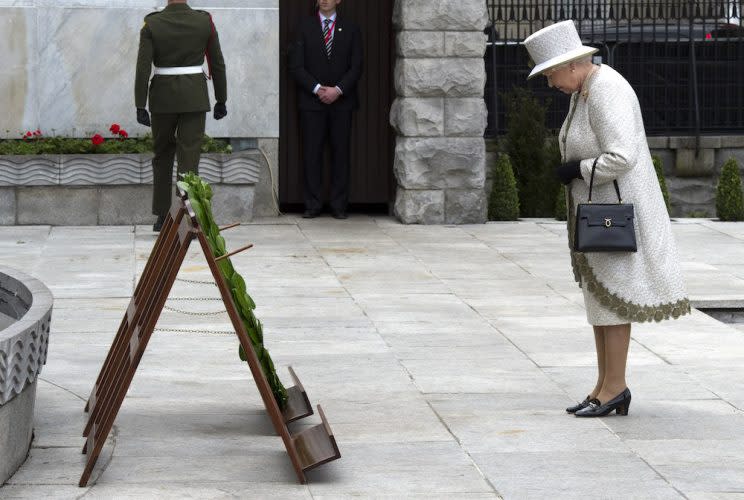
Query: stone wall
x=68 y=65
x=440 y=114
x=691 y=178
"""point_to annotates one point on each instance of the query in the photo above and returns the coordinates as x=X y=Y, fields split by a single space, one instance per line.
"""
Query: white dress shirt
x=333 y=33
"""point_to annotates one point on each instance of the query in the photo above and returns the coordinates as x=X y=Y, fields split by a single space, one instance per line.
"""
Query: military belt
x=179 y=70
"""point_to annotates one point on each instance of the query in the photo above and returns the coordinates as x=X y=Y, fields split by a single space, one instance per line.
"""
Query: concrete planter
x=25 y=315
x=113 y=189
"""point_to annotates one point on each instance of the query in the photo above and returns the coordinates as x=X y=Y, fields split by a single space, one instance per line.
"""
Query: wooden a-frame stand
x=307 y=449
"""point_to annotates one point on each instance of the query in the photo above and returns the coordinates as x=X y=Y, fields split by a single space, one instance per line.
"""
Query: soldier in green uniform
x=176 y=40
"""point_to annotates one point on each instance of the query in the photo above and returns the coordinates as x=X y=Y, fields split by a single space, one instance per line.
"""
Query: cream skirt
x=599 y=315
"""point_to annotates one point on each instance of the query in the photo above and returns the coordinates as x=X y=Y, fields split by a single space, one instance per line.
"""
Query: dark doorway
x=373 y=140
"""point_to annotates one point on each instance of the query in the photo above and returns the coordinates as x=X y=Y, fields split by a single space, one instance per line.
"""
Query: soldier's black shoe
x=339 y=214
x=158 y=223
x=310 y=214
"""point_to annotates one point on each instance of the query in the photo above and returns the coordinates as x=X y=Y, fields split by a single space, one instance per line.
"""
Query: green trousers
x=175 y=135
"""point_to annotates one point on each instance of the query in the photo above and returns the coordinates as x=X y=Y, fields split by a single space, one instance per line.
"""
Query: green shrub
x=561 y=210
x=659 y=167
x=553 y=156
x=729 y=196
x=533 y=161
x=504 y=201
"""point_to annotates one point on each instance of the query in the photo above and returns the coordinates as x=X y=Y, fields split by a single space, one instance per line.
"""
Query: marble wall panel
x=250 y=42
x=85 y=69
x=17 y=85
x=147 y=4
x=72 y=65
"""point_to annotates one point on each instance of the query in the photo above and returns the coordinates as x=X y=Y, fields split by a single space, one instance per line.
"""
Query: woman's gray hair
x=578 y=62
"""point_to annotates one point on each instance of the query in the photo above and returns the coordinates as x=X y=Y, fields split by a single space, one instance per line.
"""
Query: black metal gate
x=685 y=59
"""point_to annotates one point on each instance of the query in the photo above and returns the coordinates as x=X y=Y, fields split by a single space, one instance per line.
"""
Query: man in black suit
x=326 y=61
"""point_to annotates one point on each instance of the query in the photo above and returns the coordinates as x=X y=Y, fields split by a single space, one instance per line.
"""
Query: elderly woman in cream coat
x=604 y=123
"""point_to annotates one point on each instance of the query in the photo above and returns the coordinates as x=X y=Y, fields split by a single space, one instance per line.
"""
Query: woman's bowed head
x=559 y=55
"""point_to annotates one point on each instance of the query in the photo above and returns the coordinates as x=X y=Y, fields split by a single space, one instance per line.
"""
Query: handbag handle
x=591 y=183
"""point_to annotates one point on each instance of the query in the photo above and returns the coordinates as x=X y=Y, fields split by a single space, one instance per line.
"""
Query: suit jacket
x=309 y=65
x=178 y=36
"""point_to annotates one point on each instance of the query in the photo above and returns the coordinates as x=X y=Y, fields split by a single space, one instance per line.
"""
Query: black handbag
x=604 y=227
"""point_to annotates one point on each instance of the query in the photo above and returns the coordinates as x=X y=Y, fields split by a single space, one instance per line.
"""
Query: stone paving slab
x=443 y=356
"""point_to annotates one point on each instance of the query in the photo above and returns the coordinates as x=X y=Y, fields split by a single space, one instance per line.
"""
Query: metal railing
x=684 y=58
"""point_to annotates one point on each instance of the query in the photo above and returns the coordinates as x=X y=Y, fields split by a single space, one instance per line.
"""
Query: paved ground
x=443 y=356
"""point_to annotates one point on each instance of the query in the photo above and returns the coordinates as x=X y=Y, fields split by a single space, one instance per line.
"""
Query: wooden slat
x=317 y=445
x=102 y=419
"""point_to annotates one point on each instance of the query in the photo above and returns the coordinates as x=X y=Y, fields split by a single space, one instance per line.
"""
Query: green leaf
x=243 y=305
x=225 y=267
x=254 y=338
x=259 y=331
x=239 y=283
x=221 y=247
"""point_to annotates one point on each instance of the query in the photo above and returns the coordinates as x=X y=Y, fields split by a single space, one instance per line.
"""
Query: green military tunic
x=177 y=36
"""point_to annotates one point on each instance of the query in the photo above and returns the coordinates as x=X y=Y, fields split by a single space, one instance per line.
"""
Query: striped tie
x=327 y=37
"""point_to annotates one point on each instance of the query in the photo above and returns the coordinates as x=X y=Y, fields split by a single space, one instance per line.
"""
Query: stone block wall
x=439 y=113
x=692 y=175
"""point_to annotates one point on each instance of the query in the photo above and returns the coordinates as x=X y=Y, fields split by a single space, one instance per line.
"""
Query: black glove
x=220 y=111
x=567 y=172
x=143 y=117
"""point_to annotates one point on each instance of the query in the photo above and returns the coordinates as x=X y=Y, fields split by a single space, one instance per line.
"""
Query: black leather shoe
x=581 y=406
x=158 y=223
x=339 y=214
x=310 y=214
x=620 y=404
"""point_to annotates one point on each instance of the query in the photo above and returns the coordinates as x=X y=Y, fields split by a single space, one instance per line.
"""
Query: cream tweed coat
x=621 y=287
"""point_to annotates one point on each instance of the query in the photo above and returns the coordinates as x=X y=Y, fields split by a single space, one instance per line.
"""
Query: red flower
x=115 y=128
x=97 y=140
x=37 y=133
x=29 y=134
x=123 y=133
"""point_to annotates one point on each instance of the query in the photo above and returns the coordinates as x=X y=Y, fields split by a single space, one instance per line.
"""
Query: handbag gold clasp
x=608 y=222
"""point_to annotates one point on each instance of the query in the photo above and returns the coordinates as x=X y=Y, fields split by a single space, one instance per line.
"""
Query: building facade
x=68 y=69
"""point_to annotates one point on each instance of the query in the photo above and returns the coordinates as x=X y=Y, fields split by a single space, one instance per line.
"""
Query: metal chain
x=170 y=299
x=196 y=282
x=181 y=330
x=190 y=313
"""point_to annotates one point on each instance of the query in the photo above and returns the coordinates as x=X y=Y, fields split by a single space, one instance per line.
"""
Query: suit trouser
x=316 y=126
x=174 y=135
